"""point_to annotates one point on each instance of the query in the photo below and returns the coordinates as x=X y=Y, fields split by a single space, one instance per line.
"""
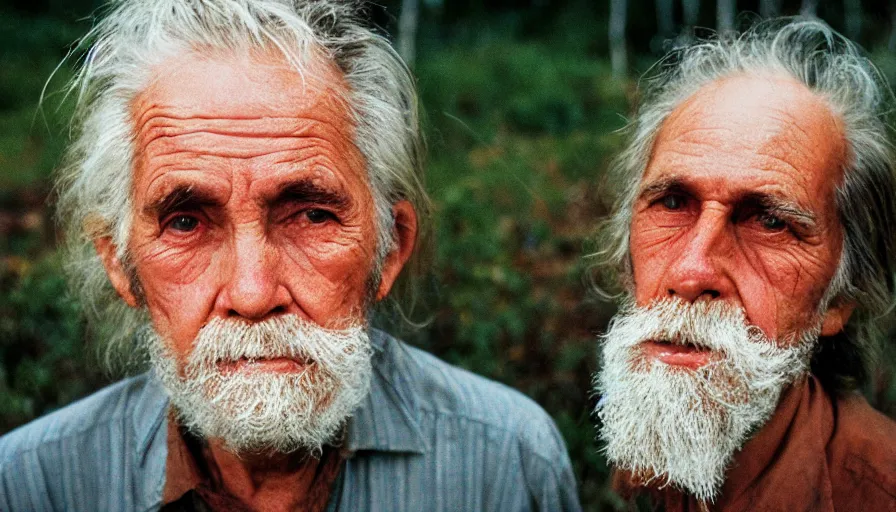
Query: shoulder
x=444 y=392
x=100 y=453
x=453 y=391
x=489 y=440
x=83 y=418
x=862 y=452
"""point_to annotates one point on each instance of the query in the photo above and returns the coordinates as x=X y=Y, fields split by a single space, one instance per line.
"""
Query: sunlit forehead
x=766 y=122
x=241 y=85
x=249 y=119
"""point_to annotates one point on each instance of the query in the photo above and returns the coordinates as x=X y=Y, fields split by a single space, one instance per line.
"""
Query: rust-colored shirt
x=193 y=481
x=817 y=453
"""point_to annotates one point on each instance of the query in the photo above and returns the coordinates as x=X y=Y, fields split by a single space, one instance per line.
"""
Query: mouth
x=270 y=365
x=686 y=355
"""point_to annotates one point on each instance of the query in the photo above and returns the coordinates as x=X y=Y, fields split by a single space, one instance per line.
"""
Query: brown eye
x=673 y=202
x=771 y=223
x=317 y=216
x=183 y=223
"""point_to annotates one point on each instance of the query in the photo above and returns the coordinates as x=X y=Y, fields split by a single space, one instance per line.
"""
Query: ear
x=107 y=252
x=835 y=318
x=405 y=236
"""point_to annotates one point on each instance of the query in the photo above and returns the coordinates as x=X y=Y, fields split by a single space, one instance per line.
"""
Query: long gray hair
x=835 y=69
x=135 y=36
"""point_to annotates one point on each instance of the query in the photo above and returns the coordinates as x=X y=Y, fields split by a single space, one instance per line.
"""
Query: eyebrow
x=662 y=186
x=783 y=208
x=307 y=191
x=180 y=197
x=776 y=205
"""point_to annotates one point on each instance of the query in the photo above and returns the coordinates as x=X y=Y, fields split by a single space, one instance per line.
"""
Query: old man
x=244 y=186
x=755 y=239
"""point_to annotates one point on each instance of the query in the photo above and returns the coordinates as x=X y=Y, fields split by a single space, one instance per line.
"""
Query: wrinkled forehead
x=245 y=83
x=752 y=132
x=772 y=116
x=245 y=117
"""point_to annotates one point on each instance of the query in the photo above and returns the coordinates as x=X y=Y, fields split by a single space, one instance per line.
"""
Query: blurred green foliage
x=520 y=131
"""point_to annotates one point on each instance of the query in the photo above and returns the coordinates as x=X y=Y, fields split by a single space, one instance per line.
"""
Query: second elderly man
x=755 y=236
x=246 y=176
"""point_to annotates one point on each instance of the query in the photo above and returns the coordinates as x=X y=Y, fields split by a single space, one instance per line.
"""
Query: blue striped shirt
x=429 y=436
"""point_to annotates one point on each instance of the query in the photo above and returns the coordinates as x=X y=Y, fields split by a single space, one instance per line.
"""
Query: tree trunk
x=407 y=30
x=665 y=21
x=618 y=56
x=691 y=12
x=891 y=44
x=852 y=14
x=725 y=16
x=769 y=8
x=809 y=8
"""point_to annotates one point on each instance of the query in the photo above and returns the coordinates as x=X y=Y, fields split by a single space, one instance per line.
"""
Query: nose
x=254 y=289
x=700 y=270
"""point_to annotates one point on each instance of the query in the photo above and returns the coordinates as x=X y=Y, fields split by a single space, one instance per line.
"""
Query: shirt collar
x=149 y=414
x=387 y=419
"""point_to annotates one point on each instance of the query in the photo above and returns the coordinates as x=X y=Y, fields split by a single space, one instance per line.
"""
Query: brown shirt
x=193 y=481
x=817 y=453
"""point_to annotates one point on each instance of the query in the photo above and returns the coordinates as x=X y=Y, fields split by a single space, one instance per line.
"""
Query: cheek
x=756 y=292
x=170 y=269
x=326 y=268
x=653 y=248
x=649 y=238
x=792 y=269
x=177 y=264
x=781 y=288
x=179 y=311
x=180 y=285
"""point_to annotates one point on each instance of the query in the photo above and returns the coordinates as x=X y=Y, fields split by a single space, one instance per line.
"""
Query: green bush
x=43 y=360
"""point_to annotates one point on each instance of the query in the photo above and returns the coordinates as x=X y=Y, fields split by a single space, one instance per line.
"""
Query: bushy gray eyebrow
x=663 y=186
x=181 y=197
x=307 y=191
x=787 y=210
x=190 y=197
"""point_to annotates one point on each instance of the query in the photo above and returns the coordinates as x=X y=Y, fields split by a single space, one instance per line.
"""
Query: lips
x=685 y=355
x=272 y=364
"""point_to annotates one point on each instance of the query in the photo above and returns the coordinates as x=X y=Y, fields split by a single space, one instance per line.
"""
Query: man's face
x=734 y=239
x=250 y=198
x=737 y=204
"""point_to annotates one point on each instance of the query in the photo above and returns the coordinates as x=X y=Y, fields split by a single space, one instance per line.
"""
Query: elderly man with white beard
x=243 y=187
x=753 y=238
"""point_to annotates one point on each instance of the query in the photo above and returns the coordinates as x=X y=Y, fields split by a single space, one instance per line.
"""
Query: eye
x=183 y=223
x=771 y=222
x=317 y=216
x=673 y=202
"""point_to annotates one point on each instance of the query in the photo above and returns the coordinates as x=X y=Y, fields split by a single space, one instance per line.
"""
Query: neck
x=266 y=481
x=791 y=442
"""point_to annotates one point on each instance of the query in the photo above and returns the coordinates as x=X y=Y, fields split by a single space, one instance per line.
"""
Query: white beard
x=681 y=427
x=252 y=410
